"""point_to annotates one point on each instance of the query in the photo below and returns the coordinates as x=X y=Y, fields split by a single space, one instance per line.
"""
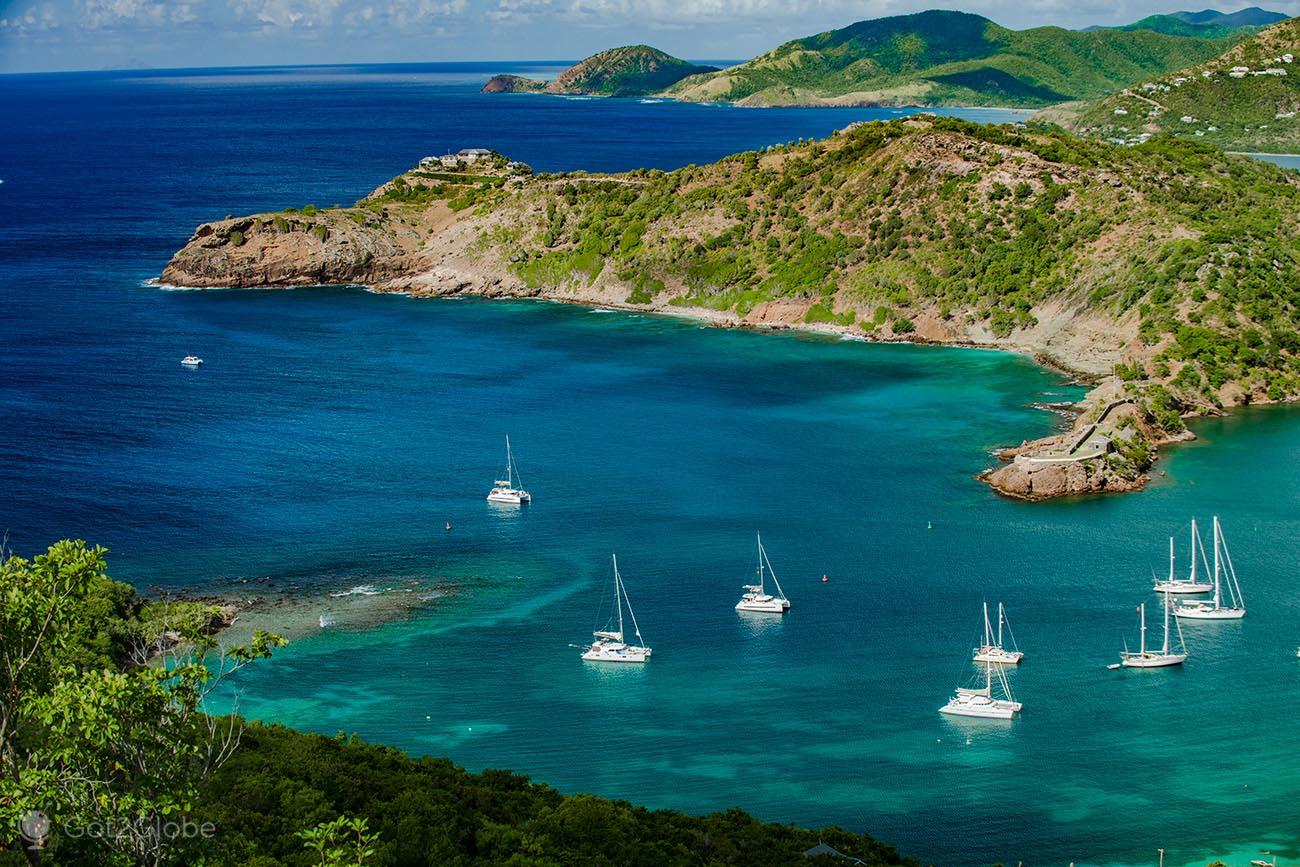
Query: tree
x=114 y=753
x=341 y=842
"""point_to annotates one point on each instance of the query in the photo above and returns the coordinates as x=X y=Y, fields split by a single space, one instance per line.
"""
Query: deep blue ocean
x=332 y=433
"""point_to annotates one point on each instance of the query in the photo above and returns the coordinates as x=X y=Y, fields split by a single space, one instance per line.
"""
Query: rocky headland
x=1109 y=263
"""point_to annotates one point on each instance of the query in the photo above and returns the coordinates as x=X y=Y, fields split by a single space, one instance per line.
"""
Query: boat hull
x=627 y=654
x=773 y=607
x=1210 y=613
x=982 y=710
x=509 y=499
x=1155 y=660
x=998 y=656
x=1179 y=587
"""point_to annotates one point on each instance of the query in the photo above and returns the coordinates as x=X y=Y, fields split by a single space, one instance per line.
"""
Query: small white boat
x=609 y=644
x=1189 y=584
x=192 y=361
x=1154 y=658
x=756 y=597
x=505 y=490
x=981 y=702
x=1225 y=576
x=993 y=650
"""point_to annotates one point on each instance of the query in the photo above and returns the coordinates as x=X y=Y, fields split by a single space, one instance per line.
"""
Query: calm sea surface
x=332 y=433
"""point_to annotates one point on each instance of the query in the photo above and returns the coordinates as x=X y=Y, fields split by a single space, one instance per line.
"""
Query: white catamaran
x=505 y=490
x=1154 y=658
x=1224 y=577
x=609 y=645
x=1189 y=584
x=993 y=649
x=756 y=597
x=980 y=702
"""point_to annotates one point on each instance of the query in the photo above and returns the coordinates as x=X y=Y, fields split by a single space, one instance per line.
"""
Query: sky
x=47 y=35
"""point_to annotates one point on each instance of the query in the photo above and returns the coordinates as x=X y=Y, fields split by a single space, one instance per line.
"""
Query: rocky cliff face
x=633 y=70
x=513 y=84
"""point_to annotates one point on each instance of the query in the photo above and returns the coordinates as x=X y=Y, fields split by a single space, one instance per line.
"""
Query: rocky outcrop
x=513 y=84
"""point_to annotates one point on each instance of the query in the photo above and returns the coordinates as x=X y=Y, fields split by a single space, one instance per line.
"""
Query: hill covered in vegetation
x=1246 y=99
x=1208 y=22
x=948 y=58
x=118 y=755
x=633 y=70
x=1168 y=272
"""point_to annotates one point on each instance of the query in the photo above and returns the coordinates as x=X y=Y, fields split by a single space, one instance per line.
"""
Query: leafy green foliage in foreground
x=120 y=757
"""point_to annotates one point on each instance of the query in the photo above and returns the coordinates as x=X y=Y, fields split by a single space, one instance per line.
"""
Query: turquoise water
x=332 y=433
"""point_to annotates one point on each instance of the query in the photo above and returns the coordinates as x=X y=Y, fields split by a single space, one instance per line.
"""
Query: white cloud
x=34 y=19
x=286 y=14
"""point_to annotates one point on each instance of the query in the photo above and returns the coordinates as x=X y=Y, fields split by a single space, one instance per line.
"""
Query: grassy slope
x=945 y=58
x=632 y=70
x=1243 y=111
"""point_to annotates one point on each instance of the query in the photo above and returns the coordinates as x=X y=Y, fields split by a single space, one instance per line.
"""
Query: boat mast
x=618 y=596
x=1195 y=540
x=1001 y=617
x=510 y=462
x=1142 y=611
x=988 y=627
x=1218 y=595
x=1171 y=560
x=1165 y=650
x=759 y=570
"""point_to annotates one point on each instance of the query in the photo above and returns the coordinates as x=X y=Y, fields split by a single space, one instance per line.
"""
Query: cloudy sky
x=38 y=35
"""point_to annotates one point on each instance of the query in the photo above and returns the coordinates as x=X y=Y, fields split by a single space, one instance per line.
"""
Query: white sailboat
x=1189 y=584
x=1154 y=658
x=993 y=649
x=756 y=597
x=609 y=645
x=1225 y=577
x=980 y=701
x=505 y=490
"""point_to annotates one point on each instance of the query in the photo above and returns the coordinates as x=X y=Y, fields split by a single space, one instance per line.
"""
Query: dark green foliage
x=429 y=811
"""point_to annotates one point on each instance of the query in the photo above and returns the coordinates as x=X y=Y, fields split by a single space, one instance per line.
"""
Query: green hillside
x=1246 y=99
x=949 y=58
x=1208 y=23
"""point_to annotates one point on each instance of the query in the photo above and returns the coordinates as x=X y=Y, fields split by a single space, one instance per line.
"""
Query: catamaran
x=1154 y=658
x=505 y=490
x=979 y=701
x=1224 y=577
x=994 y=651
x=756 y=597
x=1189 y=584
x=609 y=645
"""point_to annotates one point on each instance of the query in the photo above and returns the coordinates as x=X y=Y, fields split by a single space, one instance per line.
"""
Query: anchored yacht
x=1154 y=658
x=505 y=490
x=993 y=650
x=981 y=702
x=756 y=597
x=1190 y=584
x=1225 y=577
x=609 y=644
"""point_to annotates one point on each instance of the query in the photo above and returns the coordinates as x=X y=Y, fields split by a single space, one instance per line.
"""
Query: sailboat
x=980 y=702
x=1224 y=577
x=1154 y=658
x=609 y=645
x=756 y=597
x=505 y=490
x=1189 y=584
x=994 y=651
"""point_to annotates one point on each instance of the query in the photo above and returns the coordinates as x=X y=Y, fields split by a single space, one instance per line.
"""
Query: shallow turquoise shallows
x=331 y=434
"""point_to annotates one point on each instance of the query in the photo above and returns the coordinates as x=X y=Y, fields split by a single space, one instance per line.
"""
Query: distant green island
x=633 y=70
